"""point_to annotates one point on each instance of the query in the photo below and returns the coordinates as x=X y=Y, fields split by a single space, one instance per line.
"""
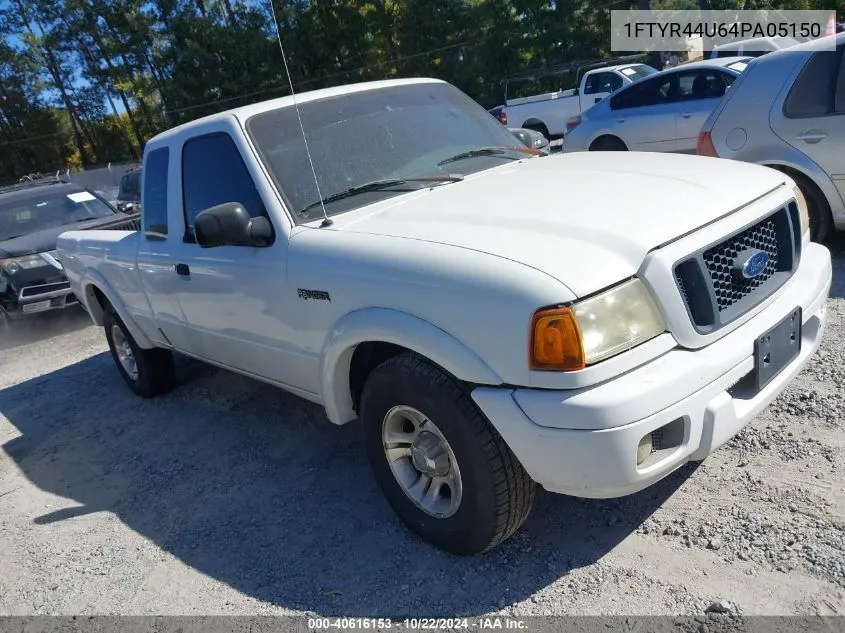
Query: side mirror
x=229 y=224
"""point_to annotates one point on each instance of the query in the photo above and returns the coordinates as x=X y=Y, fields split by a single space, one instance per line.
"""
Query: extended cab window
x=155 y=194
x=213 y=173
x=815 y=91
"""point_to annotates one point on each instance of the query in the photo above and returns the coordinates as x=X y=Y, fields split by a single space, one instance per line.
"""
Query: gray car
x=787 y=111
x=661 y=113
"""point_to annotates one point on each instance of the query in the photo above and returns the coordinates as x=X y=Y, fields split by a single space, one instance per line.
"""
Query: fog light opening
x=644 y=449
x=661 y=443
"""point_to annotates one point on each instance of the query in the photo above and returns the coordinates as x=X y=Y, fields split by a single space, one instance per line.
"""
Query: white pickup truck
x=487 y=340
x=549 y=112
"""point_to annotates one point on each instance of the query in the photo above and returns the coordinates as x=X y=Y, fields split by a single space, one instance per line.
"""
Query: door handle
x=183 y=270
x=686 y=115
x=811 y=136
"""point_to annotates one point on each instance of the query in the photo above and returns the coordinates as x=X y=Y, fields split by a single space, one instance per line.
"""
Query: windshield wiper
x=483 y=151
x=375 y=185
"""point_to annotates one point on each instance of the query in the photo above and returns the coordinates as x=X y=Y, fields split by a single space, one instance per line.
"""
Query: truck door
x=598 y=85
x=233 y=297
x=156 y=250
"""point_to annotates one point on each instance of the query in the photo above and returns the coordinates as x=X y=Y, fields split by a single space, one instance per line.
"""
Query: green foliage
x=89 y=81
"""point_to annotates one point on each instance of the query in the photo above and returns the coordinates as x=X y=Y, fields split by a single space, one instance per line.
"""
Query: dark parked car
x=32 y=216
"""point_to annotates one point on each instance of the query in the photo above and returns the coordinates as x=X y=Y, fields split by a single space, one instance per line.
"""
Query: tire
x=489 y=493
x=608 y=144
x=821 y=219
x=8 y=318
x=154 y=373
x=538 y=127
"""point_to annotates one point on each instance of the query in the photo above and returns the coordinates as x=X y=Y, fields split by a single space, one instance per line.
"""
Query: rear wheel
x=147 y=372
x=608 y=144
x=442 y=466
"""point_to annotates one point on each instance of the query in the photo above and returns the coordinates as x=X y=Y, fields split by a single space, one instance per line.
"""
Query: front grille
x=133 y=223
x=730 y=287
x=33 y=291
x=710 y=283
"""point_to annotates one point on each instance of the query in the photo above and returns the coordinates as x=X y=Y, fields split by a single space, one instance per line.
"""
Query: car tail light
x=571 y=123
x=705 y=145
x=503 y=117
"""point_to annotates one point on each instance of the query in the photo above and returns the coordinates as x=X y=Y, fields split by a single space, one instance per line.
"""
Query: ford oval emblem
x=752 y=263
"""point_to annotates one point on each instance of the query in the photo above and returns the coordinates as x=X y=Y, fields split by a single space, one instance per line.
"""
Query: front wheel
x=608 y=144
x=147 y=372
x=442 y=466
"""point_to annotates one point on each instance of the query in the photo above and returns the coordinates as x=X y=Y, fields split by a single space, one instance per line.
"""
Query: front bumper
x=584 y=442
x=37 y=290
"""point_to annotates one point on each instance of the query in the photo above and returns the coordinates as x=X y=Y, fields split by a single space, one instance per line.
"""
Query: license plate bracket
x=776 y=348
x=38 y=306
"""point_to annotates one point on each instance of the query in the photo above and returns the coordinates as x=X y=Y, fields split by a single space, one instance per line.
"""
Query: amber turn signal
x=556 y=341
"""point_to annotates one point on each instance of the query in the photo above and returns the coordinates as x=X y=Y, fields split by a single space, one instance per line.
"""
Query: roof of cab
x=33 y=189
x=244 y=112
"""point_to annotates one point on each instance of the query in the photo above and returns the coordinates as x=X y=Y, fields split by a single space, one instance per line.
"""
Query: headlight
x=803 y=211
x=14 y=264
x=567 y=339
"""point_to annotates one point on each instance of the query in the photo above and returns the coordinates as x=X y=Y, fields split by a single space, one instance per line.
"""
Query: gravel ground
x=230 y=497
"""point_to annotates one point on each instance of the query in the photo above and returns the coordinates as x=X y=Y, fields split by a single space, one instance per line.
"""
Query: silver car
x=662 y=113
x=787 y=111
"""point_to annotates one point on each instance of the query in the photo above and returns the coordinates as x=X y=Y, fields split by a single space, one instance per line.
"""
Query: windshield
x=638 y=71
x=398 y=132
x=46 y=209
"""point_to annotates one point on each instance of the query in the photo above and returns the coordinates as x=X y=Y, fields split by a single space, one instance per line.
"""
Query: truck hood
x=45 y=240
x=587 y=219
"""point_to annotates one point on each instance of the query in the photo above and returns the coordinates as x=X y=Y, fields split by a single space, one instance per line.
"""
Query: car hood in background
x=45 y=240
x=587 y=219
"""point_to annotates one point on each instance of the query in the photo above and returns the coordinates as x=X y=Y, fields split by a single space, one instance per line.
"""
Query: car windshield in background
x=48 y=209
x=738 y=66
x=400 y=132
x=635 y=73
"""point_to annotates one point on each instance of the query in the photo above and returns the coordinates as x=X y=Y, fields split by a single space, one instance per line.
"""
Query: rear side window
x=155 y=194
x=213 y=172
x=814 y=91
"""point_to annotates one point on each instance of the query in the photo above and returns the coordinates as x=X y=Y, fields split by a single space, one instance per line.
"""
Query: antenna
x=326 y=220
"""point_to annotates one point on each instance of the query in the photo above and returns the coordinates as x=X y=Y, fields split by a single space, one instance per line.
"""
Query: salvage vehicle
x=396 y=259
x=788 y=112
x=662 y=113
x=32 y=215
x=548 y=111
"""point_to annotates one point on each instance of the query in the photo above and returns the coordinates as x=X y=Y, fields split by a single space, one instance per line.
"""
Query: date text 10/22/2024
x=418 y=624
